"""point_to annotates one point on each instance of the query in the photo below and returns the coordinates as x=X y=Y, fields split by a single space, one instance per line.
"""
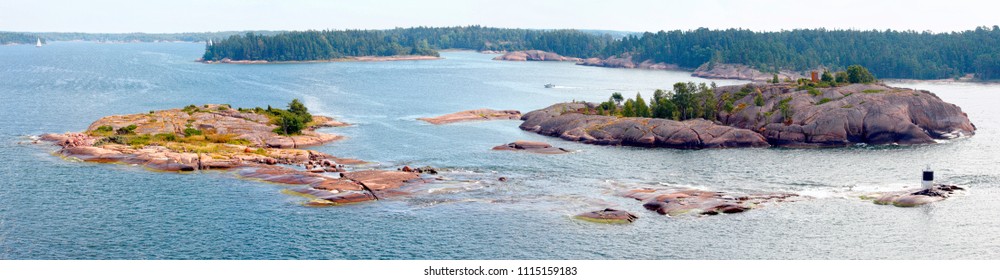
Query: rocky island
x=261 y=144
x=531 y=146
x=761 y=115
x=914 y=197
x=474 y=115
x=701 y=202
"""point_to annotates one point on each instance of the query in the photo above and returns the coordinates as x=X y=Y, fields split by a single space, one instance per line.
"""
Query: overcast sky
x=224 y=15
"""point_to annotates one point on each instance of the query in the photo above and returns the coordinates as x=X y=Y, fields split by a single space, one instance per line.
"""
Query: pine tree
x=628 y=109
x=641 y=109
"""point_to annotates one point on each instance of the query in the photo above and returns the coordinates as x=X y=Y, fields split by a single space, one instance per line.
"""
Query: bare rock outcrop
x=534 y=55
x=220 y=120
x=914 y=197
x=474 y=115
x=531 y=146
x=740 y=72
x=846 y=115
x=608 y=216
x=700 y=202
x=561 y=120
x=626 y=62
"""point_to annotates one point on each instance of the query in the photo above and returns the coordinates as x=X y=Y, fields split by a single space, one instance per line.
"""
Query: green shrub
x=291 y=121
x=786 y=110
x=857 y=74
x=188 y=132
x=814 y=92
x=169 y=137
x=872 y=91
x=822 y=101
x=140 y=140
x=190 y=109
x=113 y=139
x=104 y=129
x=126 y=130
x=758 y=100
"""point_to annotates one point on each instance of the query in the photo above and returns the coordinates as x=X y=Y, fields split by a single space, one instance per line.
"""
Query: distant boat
x=549 y=86
x=38 y=43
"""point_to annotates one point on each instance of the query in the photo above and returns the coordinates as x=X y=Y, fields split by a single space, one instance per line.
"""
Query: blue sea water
x=51 y=208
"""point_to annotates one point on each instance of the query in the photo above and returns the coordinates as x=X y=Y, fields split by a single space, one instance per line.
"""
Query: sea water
x=52 y=208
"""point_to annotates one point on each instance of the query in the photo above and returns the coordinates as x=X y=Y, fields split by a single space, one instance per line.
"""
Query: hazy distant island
x=730 y=53
x=127 y=37
x=13 y=38
x=840 y=109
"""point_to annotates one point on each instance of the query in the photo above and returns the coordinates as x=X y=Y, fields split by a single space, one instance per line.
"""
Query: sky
x=122 y=16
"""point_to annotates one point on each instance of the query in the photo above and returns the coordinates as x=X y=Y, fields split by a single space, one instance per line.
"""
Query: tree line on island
x=7 y=38
x=691 y=101
x=888 y=53
x=30 y=37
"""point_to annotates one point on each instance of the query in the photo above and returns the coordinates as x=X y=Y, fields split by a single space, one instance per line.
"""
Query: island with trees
x=14 y=38
x=841 y=109
x=726 y=53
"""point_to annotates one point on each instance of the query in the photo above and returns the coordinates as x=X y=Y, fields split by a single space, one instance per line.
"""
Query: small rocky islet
x=474 y=115
x=532 y=147
x=915 y=196
x=218 y=137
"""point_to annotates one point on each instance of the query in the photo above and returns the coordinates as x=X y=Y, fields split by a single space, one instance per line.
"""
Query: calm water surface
x=51 y=208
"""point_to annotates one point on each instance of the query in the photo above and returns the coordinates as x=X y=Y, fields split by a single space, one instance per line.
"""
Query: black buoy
x=928 y=180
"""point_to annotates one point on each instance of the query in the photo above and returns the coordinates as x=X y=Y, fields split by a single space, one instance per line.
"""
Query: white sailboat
x=38 y=43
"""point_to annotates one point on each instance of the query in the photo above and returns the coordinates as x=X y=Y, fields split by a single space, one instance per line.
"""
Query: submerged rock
x=609 y=216
x=914 y=197
x=531 y=146
x=474 y=115
x=699 y=202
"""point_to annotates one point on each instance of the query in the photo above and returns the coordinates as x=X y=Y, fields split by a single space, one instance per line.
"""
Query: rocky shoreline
x=824 y=117
x=534 y=55
x=707 y=70
x=741 y=72
x=345 y=59
x=610 y=62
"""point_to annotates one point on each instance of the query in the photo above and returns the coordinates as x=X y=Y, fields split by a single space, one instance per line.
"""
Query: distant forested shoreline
x=7 y=38
x=888 y=54
x=124 y=37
